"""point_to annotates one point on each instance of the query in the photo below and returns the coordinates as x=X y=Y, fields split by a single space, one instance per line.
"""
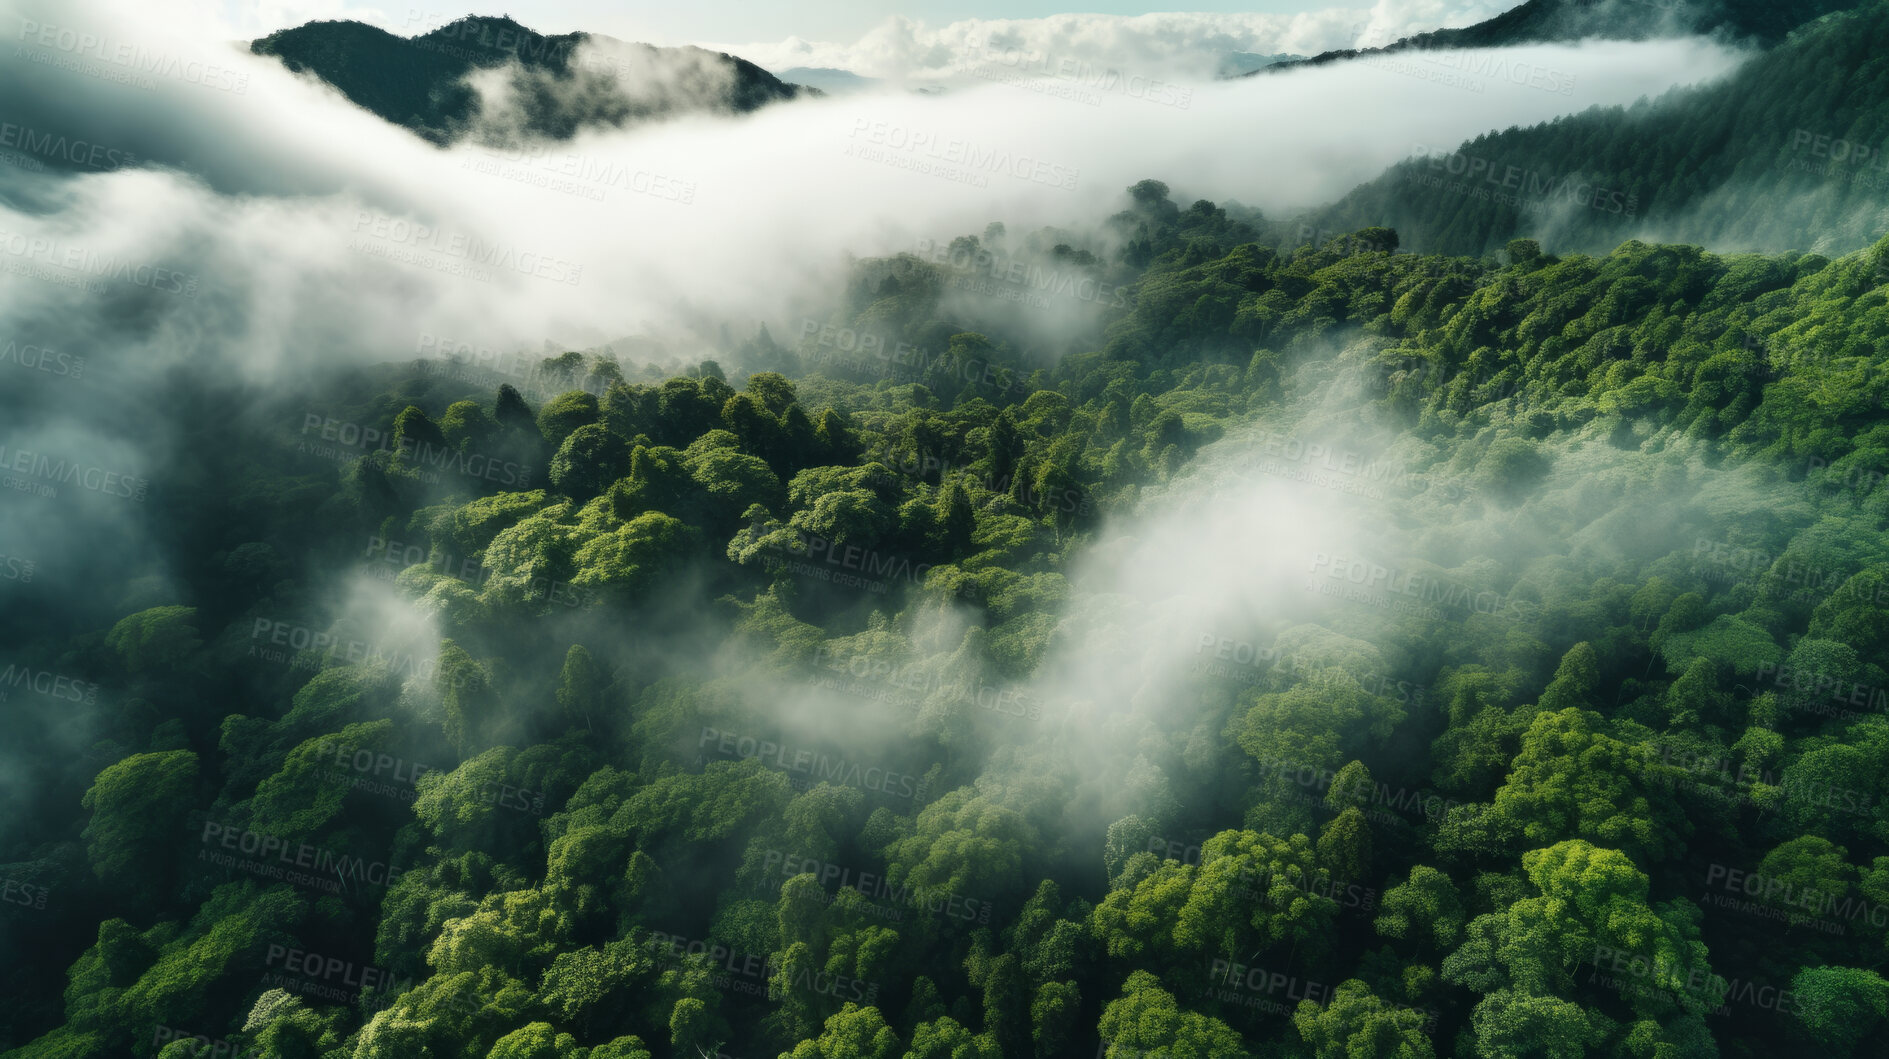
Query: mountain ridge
x=421 y=82
x=1787 y=145
x=1558 y=21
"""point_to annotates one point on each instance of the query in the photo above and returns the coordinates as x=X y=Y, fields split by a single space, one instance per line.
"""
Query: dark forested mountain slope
x=1543 y=21
x=1787 y=152
x=420 y=82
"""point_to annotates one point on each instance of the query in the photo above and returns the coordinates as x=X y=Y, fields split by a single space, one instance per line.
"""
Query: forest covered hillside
x=1547 y=21
x=558 y=84
x=833 y=711
x=1786 y=152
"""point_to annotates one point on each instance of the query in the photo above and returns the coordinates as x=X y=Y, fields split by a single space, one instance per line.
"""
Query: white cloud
x=1178 y=44
x=370 y=228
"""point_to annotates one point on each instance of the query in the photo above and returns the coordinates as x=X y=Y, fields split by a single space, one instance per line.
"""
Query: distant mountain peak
x=1551 y=21
x=423 y=82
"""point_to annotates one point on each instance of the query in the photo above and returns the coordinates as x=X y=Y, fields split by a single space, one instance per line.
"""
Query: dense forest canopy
x=1450 y=621
x=889 y=703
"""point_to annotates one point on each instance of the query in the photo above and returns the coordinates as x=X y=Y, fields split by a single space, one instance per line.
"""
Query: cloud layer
x=1166 y=44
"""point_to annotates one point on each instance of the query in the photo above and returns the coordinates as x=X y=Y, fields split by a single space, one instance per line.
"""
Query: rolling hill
x=558 y=84
x=1786 y=153
x=1546 y=21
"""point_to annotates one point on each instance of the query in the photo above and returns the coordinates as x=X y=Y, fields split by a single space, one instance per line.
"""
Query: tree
x=420 y=902
x=588 y=462
x=773 y=391
x=835 y=438
x=485 y=803
x=472 y=711
x=819 y=821
x=539 y=1040
x=1136 y=920
x=415 y=433
x=1054 y=1014
x=308 y=790
x=470 y=1006
x=1146 y=1020
x=628 y=561
x=1482 y=736
x=944 y=1038
x=138 y=807
x=563 y=415
x=1651 y=602
x=281 y=1025
x=518 y=932
x=1148 y=193
x=1424 y=909
x=581 y=866
x=1351 y=788
x=466 y=427
x=536 y=550
x=629 y=1047
x=476 y=524
x=1829 y=789
x=1004 y=446
x=1820 y=669
x=1318 y=723
x=1510 y=1025
x=1344 y=846
x=1840 y=1007
x=745 y=415
x=158 y=638
x=1355 y=1024
x=562 y=369
x=580 y=686
x=1589 y=903
x=1006 y=1002
x=1511 y=467
x=1732 y=644
x=854 y=1033
x=1853 y=613
x=965 y=843
x=128 y=983
x=1694 y=699
x=1572 y=780
x=1126 y=837
x=853 y=517
x=512 y=414
x=659 y=481
x=799 y=444
x=584 y=987
x=955 y=521
x=1574 y=682
x=1806 y=875
x=695 y=1027
x=1254 y=891
x=729 y=479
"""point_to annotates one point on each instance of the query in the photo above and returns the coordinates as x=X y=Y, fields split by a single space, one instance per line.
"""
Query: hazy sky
x=751 y=20
x=746 y=20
